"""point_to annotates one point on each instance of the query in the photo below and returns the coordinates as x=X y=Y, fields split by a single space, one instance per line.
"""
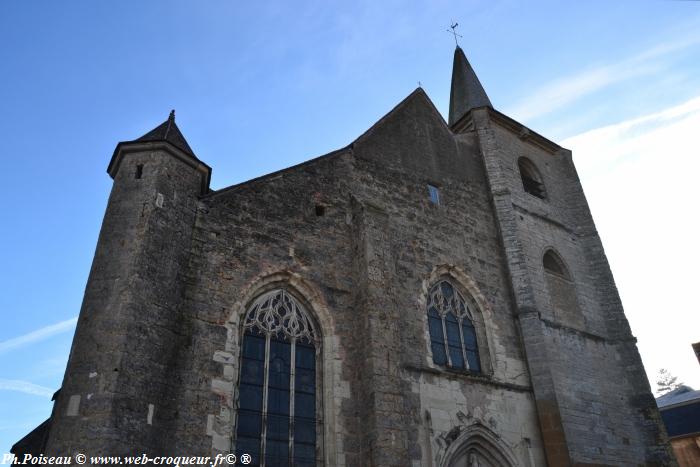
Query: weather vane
x=453 y=32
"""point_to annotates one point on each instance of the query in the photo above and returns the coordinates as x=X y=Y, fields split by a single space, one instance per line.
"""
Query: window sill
x=467 y=375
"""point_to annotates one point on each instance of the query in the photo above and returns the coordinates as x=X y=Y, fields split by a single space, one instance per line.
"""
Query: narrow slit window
x=434 y=194
x=139 y=171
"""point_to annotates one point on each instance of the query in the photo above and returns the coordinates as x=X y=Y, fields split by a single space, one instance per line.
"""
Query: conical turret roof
x=168 y=131
x=466 y=92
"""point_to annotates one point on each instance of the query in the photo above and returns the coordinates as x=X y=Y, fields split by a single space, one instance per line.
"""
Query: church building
x=433 y=294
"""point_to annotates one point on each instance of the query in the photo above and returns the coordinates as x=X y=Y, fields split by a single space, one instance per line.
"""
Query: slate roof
x=678 y=396
x=466 y=92
x=168 y=131
x=680 y=411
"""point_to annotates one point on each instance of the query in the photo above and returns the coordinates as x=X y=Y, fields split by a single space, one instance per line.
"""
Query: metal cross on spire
x=453 y=32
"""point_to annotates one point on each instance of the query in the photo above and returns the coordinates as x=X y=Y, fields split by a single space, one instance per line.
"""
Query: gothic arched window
x=451 y=326
x=277 y=421
x=532 y=180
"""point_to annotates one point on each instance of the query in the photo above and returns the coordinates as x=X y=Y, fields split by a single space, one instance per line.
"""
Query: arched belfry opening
x=553 y=264
x=531 y=178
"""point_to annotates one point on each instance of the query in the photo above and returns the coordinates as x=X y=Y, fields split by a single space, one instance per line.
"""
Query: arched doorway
x=478 y=446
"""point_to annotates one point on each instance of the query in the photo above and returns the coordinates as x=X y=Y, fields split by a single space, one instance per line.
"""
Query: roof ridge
x=171 y=120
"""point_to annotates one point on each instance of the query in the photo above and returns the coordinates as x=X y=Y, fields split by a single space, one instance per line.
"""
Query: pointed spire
x=466 y=92
x=168 y=131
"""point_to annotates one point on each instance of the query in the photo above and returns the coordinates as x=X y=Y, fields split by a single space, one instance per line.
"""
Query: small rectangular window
x=139 y=171
x=434 y=194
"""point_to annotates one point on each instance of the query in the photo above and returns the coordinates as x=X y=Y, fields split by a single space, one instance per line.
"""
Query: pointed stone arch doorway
x=478 y=446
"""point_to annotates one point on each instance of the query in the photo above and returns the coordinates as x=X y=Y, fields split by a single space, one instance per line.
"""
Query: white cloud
x=25 y=387
x=641 y=180
x=560 y=92
x=38 y=335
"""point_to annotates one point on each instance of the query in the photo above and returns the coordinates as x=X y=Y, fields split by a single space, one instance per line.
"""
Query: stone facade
x=354 y=236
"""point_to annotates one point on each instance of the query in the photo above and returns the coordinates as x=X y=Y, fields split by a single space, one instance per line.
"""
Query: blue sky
x=258 y=86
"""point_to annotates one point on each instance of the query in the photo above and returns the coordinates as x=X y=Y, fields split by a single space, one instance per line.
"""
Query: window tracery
x=453 y=338
x=276 y=420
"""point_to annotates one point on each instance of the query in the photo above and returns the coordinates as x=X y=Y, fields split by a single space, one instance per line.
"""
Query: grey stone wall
x=603 y=417
x=354 y=236
x=116 y=393
x=364 y=268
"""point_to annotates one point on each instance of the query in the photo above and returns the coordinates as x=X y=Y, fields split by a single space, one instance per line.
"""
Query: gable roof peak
x=466 y=92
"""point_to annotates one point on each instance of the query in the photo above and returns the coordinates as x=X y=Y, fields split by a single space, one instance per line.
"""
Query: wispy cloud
x=25 y=387
x=597 y=151
x=640 y=178
x=38 y=335
x=562 y=91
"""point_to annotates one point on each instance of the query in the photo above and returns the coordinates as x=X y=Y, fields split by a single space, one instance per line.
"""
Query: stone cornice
x=466 y=123
x=128 y=147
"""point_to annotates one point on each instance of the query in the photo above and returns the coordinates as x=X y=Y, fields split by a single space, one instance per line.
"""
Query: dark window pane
x=456 y=357
x=433 y=313
x=447 y=290
x=249 y=424
x=304 y=454
x=452 y=328
x=249 y=446
x=469 y=335
x=278 y=401
x=435 y=327
x=304 y=405
x=305 y=357
x=250 y=397
x=439 y=356
x=305 y=380
x=276 y=453
x=279 y=374
x=277 y=427
x=304 y=431
x=280 y=364
x=253 y=346
x=473 y=358
x=252 y=371
x=280 y=347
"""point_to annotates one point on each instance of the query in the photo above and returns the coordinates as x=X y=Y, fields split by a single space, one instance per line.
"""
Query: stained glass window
x=451 y=327
x=277 y=422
